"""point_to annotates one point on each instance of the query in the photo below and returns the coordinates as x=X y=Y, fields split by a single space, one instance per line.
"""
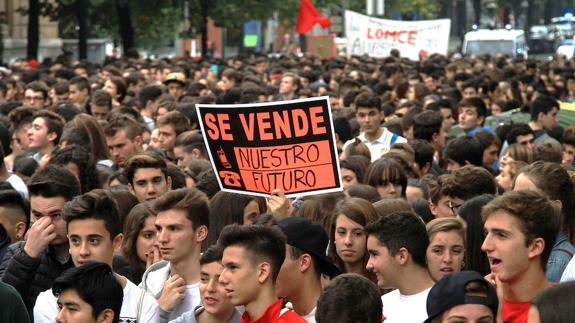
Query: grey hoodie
x=154 y=278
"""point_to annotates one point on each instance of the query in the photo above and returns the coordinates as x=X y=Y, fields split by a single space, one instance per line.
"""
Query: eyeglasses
x=34 y=98
x=454 y=207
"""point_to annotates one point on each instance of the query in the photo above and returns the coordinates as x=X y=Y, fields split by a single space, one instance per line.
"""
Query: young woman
x=140 y=236
x=348 y=241
x=388 y=177
x=231 y=208
x=446 y=248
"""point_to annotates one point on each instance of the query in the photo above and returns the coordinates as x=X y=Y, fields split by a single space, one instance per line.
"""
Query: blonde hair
x=445 y=225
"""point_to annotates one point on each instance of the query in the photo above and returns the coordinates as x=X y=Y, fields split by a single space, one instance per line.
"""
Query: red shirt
x=515 y=312
x=275 y=314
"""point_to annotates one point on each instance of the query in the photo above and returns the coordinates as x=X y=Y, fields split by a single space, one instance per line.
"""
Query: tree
x=82 y=15
x=33 y=29
x=125 y=26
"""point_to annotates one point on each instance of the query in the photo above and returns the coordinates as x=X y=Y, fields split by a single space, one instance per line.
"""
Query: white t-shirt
x=398 y=308
x=310 y=317
x=189 y=303
x=46 y=308
x=569 y=272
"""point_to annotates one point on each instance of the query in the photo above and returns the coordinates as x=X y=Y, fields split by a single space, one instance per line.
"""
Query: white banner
x=376 y=37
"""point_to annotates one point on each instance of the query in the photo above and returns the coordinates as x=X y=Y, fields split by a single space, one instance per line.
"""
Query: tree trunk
x=33 y=29
x=82 y=15
x=204 y=27
x=125 y=25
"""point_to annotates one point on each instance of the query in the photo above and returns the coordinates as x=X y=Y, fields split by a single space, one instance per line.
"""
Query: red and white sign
x=376 y=37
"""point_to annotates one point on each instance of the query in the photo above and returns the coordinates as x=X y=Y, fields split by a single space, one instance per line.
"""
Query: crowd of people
x=110 y=210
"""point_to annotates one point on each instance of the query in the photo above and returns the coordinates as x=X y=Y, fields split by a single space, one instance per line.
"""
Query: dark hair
x=476 y=103
x=133 y=225
x=471 y=181
x=81 y=157
x=121 y=122
x=97 y=204
x=38 y=86
x=101 y=98
x=358 y=164
x=261 y=243
x=537 y=217
x=212 y=254
x=401 y=230
x=542 y=104
x=349 y=298
x=149 y=93
x=364 y=191
x=10 y=199
x=426 y=124
x=556 y=304
x=120 y=84
x=384 y=171
x=470 y=211
x=518 y=129
x=81 y=83
x=144 y=160
x=193 y=201
x=367 y=100
x=177 y=120
x=424 y=152
x=464 y=149
x=96 y=285
x=53 y=121
x=227 y=208
x=54 y=181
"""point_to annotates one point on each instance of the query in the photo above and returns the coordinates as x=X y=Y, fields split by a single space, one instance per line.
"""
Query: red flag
x=308 y=17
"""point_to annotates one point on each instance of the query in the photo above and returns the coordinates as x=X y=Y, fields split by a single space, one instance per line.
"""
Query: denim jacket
x=561 y=254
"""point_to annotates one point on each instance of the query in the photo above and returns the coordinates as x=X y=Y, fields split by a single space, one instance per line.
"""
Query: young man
x=189 y=146
x=170 y=126
x=543 y=118
x=45 y=133
x=396 y=244
x=252 y=258
x=299 y=279
x=101 y=105
x=289 y=86
x=94 y=232
x=88 y=294
x=427 y=126
x=520 y=227
x=148 y=97
x=369 y=116
x=462 y=297
x=14 y=212
x=79 y=88
x=216 y=305
x=176 y=84
x=472 y=115
x=31 y=266
x=447 y=111
x=36 y=95
x=147 y=176
x=450 y=191
x=461 y=151
x=124 y=139
x=349 y=298
x=182 y=223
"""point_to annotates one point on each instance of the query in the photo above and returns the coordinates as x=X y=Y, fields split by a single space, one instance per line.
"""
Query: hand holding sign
x=256 y=148
x=279 y=205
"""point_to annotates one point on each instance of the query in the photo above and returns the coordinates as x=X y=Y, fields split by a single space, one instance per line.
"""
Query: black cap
x=311 y=238
x=449 y=291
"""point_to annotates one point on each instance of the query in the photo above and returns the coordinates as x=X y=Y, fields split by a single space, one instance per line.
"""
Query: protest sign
x=376 y=37
x=256 y=148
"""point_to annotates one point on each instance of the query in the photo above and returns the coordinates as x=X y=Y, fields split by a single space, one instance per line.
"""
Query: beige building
x=15 y=29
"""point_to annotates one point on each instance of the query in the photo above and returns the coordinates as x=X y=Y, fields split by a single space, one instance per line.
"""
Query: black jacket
x=31 y=276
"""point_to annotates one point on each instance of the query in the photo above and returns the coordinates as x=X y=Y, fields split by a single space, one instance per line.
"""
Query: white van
x=498 y=41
